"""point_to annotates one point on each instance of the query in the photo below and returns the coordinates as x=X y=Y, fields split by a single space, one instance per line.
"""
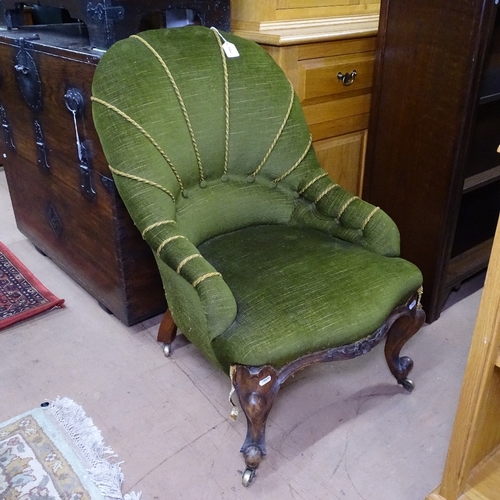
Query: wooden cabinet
x=472 y=469
x=259 y=14
x=336 y=111
x=343 y=158
x=330 y=64
x=432 y=161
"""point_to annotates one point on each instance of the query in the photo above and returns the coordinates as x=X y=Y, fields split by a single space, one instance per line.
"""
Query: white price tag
x=229 y=48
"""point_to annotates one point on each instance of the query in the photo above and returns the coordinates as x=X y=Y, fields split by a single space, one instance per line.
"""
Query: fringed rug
x=21 y=294
x=56 y=453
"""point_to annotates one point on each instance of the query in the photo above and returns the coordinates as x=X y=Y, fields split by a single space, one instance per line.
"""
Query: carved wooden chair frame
x=258 y=386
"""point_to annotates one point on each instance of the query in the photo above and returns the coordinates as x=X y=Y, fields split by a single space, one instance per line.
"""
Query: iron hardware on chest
x=6 y=128
x=74 y=103
x=28 y=77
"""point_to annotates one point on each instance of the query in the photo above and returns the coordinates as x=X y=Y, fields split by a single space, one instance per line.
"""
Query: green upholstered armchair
x=268 y=265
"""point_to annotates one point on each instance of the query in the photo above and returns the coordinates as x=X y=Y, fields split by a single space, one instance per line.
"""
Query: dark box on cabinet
x=108 y=21
x=62 y=192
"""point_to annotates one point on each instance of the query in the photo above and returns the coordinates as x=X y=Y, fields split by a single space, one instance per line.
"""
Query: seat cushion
x=299 y=290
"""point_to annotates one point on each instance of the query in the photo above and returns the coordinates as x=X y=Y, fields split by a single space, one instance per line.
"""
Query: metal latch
x=74 y=102
x=102 y=12
x=6 y=128
x=27 y=76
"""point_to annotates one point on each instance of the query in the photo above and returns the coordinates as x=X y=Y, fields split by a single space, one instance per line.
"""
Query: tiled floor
x=338 y=431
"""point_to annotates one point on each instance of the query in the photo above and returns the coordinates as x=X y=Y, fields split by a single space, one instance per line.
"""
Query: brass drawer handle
x=347 y=78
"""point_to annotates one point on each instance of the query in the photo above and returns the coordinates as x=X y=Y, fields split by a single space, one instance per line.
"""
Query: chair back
x=222 y=139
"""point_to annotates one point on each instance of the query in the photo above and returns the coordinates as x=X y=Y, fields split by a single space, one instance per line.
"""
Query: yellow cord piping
x=179 y=99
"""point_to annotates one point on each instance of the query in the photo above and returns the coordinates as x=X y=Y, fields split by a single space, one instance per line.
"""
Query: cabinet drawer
x=337 y=109
x=330 y=76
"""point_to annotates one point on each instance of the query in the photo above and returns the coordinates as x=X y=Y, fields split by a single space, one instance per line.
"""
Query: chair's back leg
x=167 y=332
x=256 y=388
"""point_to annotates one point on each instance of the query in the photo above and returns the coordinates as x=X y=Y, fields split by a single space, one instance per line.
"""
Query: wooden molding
x=308 y=30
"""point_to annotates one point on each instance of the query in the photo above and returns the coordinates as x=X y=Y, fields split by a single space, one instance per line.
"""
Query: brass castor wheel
x=167 y=350
x=247 y=477
x=407 y=384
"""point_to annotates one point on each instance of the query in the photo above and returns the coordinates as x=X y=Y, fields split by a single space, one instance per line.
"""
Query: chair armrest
x=153 y=212
x=216 y=301
x=323 y=204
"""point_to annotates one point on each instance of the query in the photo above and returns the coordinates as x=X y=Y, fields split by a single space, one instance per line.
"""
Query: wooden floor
x=485 y=481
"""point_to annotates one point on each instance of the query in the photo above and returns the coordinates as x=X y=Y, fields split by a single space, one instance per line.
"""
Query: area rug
x=55 y=452
x=21 y=294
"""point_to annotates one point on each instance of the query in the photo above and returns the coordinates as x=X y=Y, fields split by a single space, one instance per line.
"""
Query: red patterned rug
x=21 y=294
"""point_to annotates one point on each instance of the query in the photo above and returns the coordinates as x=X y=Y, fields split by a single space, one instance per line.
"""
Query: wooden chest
x=62 y=192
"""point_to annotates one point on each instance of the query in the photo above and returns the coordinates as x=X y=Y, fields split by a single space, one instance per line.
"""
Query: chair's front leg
x=256 y=388
x=403 y=328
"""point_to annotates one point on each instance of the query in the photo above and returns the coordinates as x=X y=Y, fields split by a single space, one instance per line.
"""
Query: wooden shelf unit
x=432 y=162
x=472 y=470
x=477 y=181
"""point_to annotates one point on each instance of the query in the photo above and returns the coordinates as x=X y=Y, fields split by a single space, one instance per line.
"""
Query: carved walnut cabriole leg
x=256 y=388
x=167 y=332
x=400 y=331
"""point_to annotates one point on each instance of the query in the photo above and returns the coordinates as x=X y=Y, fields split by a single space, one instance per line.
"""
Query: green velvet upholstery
x=284 y=310
x=262 y=256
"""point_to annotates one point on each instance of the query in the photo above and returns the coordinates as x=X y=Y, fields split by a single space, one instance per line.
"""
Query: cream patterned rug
x=56 y=453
